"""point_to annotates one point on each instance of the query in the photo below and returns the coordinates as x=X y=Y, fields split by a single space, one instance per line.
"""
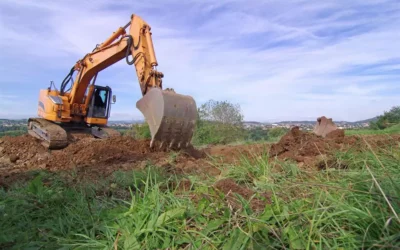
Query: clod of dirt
x=338 y=133
x=229 y=188
x=4 y=163
x=183 y=185
x=14 y=158
x=195 y=153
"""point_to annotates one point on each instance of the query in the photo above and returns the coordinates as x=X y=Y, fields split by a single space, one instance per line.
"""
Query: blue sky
x=279 y=60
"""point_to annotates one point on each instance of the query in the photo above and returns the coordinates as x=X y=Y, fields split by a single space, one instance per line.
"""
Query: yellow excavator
x=80 y=104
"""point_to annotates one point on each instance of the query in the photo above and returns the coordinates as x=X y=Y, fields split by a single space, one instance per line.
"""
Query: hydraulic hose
x=66 y=80
x=128 y=50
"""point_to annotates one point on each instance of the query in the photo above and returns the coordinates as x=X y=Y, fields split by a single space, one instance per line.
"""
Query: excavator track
x=52 y=135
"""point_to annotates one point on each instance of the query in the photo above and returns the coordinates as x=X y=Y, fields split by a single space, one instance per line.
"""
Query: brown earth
x=230 y=188
x=95 y=159
x=93 y=156
x=312 y=151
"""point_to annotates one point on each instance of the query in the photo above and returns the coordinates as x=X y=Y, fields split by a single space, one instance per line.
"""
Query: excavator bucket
x=324 y=126
x=171 y=117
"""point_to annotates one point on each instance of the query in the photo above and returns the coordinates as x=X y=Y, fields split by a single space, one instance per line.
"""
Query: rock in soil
x=14 y=158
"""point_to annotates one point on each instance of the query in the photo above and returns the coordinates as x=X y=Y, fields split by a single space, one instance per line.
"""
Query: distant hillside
x=367 y=120
x=252 y=122
x=13 y=120
x=338 y=122
x=298 y=122
x=125 y=121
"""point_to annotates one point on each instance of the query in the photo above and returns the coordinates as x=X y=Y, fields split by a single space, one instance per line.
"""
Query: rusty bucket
x=324 y=126
x=170 y=116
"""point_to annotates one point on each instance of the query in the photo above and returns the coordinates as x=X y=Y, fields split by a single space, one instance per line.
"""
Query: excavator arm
x=171 y=116
x=120 y=45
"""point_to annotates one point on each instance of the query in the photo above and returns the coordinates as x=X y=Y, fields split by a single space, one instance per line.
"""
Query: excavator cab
x=100 y=104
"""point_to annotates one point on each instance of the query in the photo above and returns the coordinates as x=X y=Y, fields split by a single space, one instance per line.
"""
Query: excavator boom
x=171 y=116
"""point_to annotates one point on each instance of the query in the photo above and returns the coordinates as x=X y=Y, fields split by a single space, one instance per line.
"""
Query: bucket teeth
x=171 y=143
x=171 y=117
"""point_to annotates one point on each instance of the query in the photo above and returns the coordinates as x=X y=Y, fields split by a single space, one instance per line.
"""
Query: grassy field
x=13 y=133
x=352 y=208
x=391 y=130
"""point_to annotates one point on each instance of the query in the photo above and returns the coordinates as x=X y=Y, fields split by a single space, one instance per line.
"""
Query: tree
x=221 y=112
x=388 y=119
x=219 y=122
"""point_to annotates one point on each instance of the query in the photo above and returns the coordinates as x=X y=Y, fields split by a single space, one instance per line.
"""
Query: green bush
x=139 y=131
x=217 y=133
x=389 y=118
x=277 y=132
x=257 y=134
x=219 y=122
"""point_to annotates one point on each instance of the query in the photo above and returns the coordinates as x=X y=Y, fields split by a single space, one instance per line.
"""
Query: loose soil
x=311 y=151
x=231 y=189
x=91 y=158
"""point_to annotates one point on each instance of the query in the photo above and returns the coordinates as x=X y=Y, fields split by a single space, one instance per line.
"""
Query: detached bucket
x=324 y=126
x=171 y=117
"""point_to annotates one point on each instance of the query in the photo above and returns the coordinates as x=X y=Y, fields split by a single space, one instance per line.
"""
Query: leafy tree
x=219 y=122
x=389 y=118
x=222 y=112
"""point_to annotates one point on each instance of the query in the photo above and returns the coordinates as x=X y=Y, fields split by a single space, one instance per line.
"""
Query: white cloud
x=279 y=60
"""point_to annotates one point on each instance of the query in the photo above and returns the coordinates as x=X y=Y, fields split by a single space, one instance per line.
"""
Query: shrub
x=139 y=131
x=219 y=122
x=389 y=118
x=277 y=132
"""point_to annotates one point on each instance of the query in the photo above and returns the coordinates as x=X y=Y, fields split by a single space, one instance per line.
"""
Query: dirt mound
x=96 y=159
x=23 y=146
x=91 y=151
x=230 y=188
x=24 y=153
x=299 y=145
x=311 y=151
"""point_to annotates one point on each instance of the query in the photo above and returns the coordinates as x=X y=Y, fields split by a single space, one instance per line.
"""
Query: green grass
x=13 y=133
x=391 y=130
x=352 y=208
